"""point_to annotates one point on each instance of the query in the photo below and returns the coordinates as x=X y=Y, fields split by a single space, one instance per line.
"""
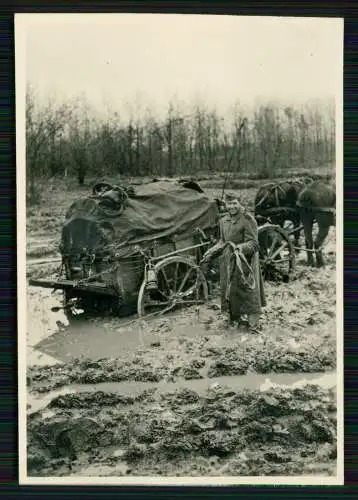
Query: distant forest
x=69 y=139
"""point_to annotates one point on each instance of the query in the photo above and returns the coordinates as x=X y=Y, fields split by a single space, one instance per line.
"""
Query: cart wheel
x=277 y=255
x=180 y=282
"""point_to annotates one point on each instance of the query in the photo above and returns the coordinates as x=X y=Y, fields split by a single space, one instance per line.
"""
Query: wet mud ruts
x=224 y=361
x=221 y=432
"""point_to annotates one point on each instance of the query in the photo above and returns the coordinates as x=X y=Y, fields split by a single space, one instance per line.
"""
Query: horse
x=316 y=203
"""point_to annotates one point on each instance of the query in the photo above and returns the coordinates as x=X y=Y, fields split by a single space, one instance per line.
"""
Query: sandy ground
x=177 y=395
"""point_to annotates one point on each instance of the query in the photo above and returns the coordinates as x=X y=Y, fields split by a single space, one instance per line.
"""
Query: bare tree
x=45 y=127
x=35 y=139
x=270 y=138
x=70 y=138
x=80 y=139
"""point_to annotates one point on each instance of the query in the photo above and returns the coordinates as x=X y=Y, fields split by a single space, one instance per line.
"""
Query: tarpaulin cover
x=158 y=210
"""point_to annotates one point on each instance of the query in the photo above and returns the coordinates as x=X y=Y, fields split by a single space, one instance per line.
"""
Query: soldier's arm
x=251 y=242
x=215 y=249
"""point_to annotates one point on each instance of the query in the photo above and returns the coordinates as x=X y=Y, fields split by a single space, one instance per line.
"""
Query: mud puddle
x=177 y=333
x=253 y=381
x=50 y=333
x=41 y=321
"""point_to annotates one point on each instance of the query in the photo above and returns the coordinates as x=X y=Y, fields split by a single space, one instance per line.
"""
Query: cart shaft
x=93 y=287
x=180 y=251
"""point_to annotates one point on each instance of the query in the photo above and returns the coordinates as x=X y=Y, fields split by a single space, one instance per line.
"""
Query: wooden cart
x=157 y=275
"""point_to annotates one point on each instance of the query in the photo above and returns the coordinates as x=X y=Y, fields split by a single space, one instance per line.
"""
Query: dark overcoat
x=236 y=297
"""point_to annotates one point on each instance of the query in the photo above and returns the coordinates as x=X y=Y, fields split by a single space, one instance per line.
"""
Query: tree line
x=70 y=139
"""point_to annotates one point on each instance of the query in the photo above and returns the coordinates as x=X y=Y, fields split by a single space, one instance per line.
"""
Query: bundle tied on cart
x=114 y=222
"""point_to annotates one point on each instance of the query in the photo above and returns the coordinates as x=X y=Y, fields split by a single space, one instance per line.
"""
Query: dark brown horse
x=276 y=201
x=316 y=203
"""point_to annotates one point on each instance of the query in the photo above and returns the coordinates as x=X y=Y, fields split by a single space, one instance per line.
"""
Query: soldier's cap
x=231 y=197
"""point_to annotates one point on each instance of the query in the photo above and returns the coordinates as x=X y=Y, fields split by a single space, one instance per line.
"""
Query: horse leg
x=296 y=222
x=307 y=221
x=297 y=241
x=323 y=229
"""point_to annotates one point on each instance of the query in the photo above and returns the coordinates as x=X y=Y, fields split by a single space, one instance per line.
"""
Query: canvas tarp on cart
x=158 y=210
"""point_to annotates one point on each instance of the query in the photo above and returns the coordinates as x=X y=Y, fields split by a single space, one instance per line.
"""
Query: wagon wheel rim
x=277 y=257
x=180 y=283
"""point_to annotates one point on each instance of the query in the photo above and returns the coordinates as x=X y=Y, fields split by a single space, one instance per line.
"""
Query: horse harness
x=275 y=188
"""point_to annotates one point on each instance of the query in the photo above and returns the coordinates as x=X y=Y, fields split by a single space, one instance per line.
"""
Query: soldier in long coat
x=241 y=283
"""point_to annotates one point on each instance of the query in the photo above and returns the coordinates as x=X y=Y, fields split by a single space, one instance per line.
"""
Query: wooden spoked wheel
x=180 y=282
x=277 y=255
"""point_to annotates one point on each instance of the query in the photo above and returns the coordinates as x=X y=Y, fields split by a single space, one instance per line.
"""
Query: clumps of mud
x=43 y=379
x=309 y=299
x=84 y=400
x=272 y=357
x=221 y=432
x=192 y=359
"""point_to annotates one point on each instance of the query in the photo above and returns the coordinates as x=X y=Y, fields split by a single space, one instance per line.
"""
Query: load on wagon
x=121 y=247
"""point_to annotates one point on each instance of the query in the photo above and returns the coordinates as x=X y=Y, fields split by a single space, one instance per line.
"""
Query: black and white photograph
x=180 y=249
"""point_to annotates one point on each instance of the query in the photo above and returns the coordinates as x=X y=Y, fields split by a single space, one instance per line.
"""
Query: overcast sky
x=148 y=58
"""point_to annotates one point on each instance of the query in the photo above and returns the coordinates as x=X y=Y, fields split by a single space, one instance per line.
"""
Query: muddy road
x=184 y=394
x=186 y=432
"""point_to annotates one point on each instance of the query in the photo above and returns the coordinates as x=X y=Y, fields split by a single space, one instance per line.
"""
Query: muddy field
x=185 y=394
